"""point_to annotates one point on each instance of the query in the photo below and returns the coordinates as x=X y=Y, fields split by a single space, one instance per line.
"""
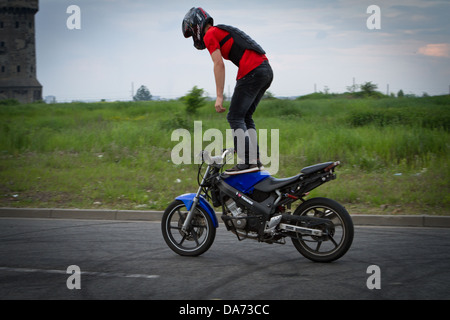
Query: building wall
x=18 y=51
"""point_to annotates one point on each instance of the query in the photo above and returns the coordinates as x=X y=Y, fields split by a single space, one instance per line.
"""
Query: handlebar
x=217 y=159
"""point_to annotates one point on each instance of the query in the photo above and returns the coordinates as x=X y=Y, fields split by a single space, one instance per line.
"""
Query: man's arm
x=219 y=75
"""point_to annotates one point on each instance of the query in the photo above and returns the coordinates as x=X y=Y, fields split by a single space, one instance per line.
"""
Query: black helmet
x=194 y=23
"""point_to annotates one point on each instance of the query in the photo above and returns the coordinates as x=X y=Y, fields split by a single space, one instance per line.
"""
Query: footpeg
x=271 y=225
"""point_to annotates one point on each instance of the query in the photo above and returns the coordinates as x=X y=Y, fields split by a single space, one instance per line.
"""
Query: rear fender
x=188 y=199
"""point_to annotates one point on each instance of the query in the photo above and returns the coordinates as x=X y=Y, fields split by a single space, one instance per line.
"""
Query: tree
x=268 y=95
x=368 y=88
x=194 y=100
x=142 y=94
x=352 y=88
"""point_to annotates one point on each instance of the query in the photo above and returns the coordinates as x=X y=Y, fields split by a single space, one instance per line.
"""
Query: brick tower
x=18 y=51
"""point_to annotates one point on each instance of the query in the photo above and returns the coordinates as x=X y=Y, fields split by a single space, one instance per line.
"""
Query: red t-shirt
x=250 y=59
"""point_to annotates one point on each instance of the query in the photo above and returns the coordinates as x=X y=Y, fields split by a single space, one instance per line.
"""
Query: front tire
x=337 y=238
x=200 y=235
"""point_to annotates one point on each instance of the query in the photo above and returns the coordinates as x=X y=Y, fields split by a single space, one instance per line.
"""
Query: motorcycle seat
x=271 y=184
x=316 y=167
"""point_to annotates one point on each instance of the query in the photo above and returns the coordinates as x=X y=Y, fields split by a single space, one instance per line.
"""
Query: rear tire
x=336 y=240
x=200 y=235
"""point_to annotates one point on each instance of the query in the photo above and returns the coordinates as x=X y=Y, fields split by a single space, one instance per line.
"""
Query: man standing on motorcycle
x=253 y=79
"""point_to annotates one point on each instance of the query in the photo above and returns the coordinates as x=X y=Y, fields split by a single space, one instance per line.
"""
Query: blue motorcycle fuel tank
x=246 y=181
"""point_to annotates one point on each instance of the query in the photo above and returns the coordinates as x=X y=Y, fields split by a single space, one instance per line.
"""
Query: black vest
x=241 y=43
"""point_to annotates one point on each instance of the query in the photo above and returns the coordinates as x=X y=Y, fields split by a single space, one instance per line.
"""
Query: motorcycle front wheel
x=199 y=236
x=337 y=236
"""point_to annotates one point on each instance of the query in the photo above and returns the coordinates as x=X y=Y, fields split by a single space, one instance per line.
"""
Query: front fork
x=186 y=225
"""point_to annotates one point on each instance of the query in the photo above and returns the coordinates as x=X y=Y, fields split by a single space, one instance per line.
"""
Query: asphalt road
x=129 y=260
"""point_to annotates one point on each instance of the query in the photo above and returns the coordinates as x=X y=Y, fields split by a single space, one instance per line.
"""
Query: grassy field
x=394 y=152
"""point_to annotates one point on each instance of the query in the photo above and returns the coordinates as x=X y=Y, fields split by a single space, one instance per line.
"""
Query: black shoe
x=242 y=168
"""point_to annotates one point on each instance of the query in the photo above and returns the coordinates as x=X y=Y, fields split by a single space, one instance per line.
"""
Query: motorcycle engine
x=236 y=212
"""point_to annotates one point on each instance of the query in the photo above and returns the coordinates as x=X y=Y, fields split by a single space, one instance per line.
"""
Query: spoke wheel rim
x=197 y=233
x=333 y=237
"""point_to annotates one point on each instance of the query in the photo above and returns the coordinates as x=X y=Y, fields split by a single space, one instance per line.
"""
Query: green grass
x=394 y=152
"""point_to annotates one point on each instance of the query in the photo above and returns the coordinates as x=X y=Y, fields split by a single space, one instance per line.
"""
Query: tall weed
x=120 y=152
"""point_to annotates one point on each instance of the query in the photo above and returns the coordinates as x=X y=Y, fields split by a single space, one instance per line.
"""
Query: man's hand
x=219 y=75
x=219 y=105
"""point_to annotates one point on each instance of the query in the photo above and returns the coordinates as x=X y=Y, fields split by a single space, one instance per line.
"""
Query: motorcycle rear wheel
x=197 y=240
x=336 y=239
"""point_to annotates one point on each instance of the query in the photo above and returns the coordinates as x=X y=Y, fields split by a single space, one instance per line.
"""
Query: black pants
x=247 y=94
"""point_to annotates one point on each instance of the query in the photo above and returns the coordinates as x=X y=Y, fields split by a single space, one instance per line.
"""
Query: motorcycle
x=258 y=206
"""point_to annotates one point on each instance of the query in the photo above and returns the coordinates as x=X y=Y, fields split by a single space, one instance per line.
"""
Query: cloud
x=435 y=50
x=308 y=42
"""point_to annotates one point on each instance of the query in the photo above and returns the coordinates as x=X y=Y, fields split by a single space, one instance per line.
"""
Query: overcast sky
x=310 y=44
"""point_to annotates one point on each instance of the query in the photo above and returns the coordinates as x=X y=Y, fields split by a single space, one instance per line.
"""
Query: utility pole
x=132 y=91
